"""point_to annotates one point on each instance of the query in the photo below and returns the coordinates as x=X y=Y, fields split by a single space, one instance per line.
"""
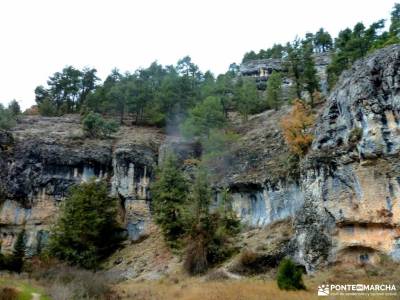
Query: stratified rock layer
x=45 y=156
x=351 y=178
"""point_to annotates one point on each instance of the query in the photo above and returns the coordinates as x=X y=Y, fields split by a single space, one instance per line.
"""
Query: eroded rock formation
x=351 y=177
x=45 y=156
x=261 y=69
x=343 y=198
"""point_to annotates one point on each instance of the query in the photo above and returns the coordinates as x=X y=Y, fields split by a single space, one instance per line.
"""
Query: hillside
x=341 y=209
x=335 y=176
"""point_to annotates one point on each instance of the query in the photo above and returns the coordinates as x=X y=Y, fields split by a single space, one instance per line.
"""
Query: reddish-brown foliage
x=32 y=111
x=296 y=126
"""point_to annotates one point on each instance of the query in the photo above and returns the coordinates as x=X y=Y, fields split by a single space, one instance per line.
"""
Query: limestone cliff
x=343 y=197
x=351 y=177
x=261 y=69
x=42 y=157
x=345 y=201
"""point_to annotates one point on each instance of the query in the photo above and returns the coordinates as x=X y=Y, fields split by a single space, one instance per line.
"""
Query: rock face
x=259 y=208
x=344 y=197
x=346 y=201
x=351 y=178
x=256 y=173
x=261 y=69
x=39 y=165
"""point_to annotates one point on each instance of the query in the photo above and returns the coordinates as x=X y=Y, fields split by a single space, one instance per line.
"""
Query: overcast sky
x=40 y=37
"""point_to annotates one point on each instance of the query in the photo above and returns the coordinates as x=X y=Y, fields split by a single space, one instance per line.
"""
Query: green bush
x=87 y=230
x=47 y=108
x=289 y=276
x=7 y=118
x=94 y=125
x=218 y=144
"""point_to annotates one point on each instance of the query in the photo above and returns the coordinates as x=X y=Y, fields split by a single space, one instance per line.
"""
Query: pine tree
x=7 y=119
x=322 y=41
x=395 y=20
x=169 y=193
x=14 y=108
x=274 y=90
x=205 y=116
x=294 y=65
x=247 y=98
x=17 y=259
x=310 y=77
x=289 y=276
x=47 y=108
x=200 y=226
x=94 y=125
x=210 y=231
x=87 y=230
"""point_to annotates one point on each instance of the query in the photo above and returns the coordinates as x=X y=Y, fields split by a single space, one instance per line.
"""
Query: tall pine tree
x=87 y=230
x=310 y=77
x=274 y=90
x=169 y=194
x=210 y=231
x=294 y=65
x=17 y=259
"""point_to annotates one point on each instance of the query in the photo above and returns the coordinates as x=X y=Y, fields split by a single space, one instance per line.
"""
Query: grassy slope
x=250 y=288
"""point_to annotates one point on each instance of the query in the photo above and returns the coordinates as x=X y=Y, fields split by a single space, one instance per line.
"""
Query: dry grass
x=8 y=293
x=150 y=255
x=195 y=289
x=181 y=287
x=199 y=288
x=63 y=282
x=67 y=129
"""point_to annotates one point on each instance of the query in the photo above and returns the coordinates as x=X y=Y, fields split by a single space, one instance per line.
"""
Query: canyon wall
x=343 y=198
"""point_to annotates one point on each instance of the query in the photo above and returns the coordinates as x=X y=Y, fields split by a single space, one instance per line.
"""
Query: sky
x=39 y=38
